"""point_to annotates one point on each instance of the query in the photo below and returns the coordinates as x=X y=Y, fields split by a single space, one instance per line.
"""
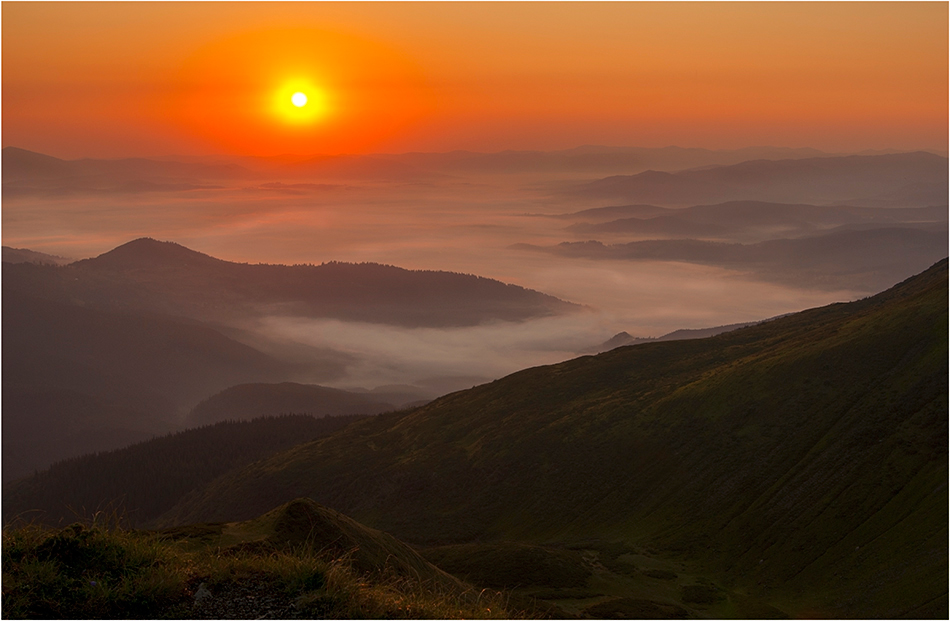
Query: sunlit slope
x=804 y=459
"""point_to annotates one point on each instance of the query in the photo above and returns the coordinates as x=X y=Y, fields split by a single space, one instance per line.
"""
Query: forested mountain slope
x=141 y=481
x=164 y=277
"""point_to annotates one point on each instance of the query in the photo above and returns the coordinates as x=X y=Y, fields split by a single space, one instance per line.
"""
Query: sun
x=301 y=101
x=272 y=92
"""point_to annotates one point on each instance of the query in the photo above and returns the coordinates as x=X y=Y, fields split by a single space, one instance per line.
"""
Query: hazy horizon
x=167 y=78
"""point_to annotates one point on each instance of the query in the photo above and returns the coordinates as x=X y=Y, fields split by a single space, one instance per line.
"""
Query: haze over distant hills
x=26 y=173
x=369 y=324
x=864 y=260
x=701 y=175
x=107 y=351
x=748 y=220
x=78 y=380
x=899 y=179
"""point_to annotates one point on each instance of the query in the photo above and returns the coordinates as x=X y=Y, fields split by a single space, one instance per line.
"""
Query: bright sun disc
x=300 y=91
x=300 y=102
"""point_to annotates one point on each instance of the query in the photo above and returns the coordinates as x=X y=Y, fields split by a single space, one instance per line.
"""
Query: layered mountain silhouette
x=23 y=255
x=803 y=460
x=749 y=220
x=26 y=173
x=862 y=260
x=591 y=159
x=116 y=349
x=164 y=277
x=78 y=380
x=899 y=179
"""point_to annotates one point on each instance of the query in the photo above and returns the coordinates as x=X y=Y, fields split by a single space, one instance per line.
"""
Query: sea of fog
x=453 y=225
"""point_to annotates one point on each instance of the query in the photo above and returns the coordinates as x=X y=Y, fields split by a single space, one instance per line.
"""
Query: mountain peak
x=148 y=252
x=19 y=163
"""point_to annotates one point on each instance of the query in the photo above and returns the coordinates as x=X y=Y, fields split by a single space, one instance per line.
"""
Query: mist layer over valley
x=429 y=272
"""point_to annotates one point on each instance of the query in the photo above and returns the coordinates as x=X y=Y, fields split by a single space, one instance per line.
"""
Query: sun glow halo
x=281 y=91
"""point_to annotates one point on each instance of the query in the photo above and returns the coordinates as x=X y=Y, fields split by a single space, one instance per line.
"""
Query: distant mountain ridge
x=738 y=219
x=623 y=339
x=104 y=352
x=900 y=179
x=860 y=259
x=155 y=276
x=26 y=173
x=22 y=255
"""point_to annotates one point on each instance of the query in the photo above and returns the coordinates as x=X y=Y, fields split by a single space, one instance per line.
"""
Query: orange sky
x=122 y=79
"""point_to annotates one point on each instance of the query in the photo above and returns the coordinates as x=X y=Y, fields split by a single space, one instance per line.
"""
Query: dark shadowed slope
x=77 y=380
x=247 y=401
x=142 y=481
x=168 y=278
x=803 y=459
x=900 y=180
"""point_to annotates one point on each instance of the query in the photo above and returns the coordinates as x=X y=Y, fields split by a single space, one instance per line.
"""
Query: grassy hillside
x=299 y=560
x=803 y=460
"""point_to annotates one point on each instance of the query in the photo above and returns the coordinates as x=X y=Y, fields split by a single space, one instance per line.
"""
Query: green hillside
x=803 y=460
x=298 y=561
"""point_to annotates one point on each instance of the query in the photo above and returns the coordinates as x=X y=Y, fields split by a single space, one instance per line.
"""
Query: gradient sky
x=132 y=79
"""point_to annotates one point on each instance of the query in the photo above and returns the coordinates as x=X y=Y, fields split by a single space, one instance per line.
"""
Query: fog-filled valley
x=589 y=243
